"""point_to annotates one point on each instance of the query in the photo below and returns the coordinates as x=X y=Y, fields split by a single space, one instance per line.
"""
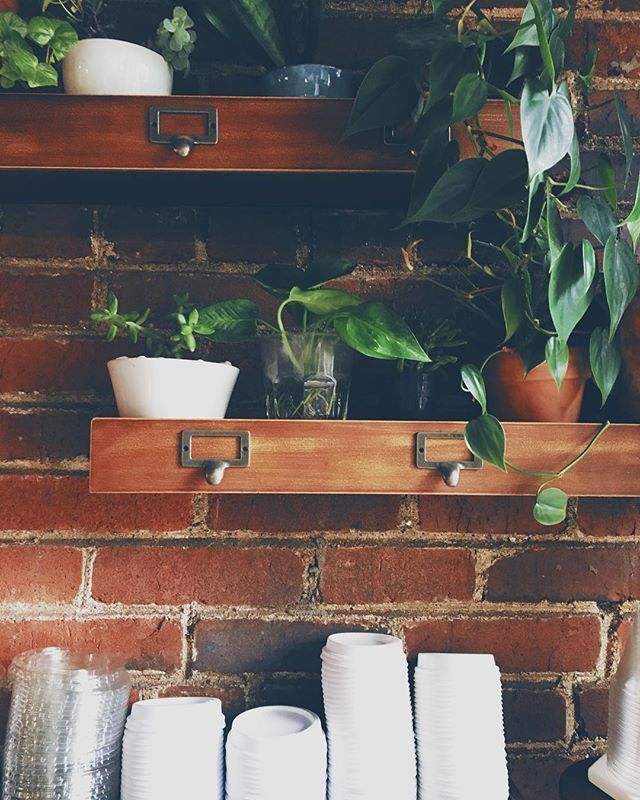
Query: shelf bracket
x=449 y=470
x=214 y=468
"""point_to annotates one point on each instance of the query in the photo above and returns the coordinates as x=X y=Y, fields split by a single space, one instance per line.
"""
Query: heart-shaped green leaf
x=605 y=361
x=328 y=268
x=621 y=279
x=378 y=332
x=387 y=96
x=597 y=215
x=527 y=34
x=571 y=290
x=551 y=506
x=557 y=357
x=626 y=129
x=485 y=437
x=513 y=305
x=279 y=279
x=324 y=301
x=547 y=125
x=473 y=382
x=469 y=97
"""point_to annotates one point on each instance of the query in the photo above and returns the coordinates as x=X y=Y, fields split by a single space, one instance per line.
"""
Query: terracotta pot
x=512 y=397
x=630 y=346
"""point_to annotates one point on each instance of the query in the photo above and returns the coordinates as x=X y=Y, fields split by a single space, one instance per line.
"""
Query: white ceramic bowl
x=113 y=67
x=170 y=388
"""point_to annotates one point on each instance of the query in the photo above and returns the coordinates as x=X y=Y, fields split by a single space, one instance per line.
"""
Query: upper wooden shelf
x=351 y=457
x=254 y=134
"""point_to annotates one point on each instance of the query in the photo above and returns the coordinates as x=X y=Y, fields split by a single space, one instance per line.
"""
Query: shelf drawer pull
x=450 y=470
x=214 y=468
x=182 y=144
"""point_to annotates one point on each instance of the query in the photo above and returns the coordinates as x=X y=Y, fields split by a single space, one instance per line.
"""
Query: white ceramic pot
x=109 y=66
x=170 y=388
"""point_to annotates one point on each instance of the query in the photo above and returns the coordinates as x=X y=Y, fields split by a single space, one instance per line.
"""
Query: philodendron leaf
x=387 y=96
x=324 y=301
x=633 y=220
x=543 y=41
x=376 y=331
x=547 y=125
x=576 y=167
x=557 y=357
x=626 y=129
x=227 y=321
x=473 y=382
x=279 y=279
x=553 y=228
x=608 y=181
x=450 y=62
x=469 y=97
x=551 y=506
x=597 y=215
x=513 y=305
x=621 y=279
x=605 y=361
x=484 y=436
x=527 y=33
x=321 y=270
x=571 y=290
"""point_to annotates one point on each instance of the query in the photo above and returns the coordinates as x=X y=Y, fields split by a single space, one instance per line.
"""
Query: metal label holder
x=450 y=470
x=215 y=468
x=182 y=144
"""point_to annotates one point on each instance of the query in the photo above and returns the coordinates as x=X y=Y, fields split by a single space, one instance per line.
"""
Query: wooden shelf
x=353 y=457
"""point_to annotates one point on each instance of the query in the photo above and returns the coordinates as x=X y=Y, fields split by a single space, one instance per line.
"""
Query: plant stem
x=285 y=338
x=580 y=455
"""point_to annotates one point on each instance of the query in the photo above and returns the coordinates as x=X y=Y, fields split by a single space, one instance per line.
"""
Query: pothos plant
x=528 y=189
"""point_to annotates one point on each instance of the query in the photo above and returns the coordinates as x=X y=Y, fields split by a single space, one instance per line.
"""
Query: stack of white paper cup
x=173 y=747
x=367 y=703
x=276 y=753
x=618 y=772
x=459 y=728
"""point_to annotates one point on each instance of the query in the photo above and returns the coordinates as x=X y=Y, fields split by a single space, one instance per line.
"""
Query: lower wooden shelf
x=350 y=457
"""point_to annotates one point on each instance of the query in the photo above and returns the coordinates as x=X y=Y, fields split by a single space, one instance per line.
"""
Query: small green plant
x=88 y=17
x=437 y=339
x=178 y=332
x=276 y=32
x=29 y=49
x=175 y=40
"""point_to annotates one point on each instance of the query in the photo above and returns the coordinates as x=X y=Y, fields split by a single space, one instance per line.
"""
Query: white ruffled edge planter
x=169 y=388
x=113 y=67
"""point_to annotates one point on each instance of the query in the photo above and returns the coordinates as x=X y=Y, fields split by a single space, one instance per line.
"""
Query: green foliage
x=551 y=506
x=485 y=437
x=28 y=50
x=275 y=32
x=438 y=339
x=175 y=40
x=178 y=332
x=605 y=361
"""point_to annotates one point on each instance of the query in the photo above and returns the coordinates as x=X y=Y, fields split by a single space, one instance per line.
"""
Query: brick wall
x=234 y=596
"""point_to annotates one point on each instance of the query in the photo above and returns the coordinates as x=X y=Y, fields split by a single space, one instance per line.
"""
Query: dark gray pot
x=310 y=80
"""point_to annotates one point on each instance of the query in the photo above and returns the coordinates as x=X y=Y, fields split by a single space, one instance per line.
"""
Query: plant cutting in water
x=178 y=332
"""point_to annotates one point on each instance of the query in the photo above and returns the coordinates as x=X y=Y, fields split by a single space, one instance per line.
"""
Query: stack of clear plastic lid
x=65 y=727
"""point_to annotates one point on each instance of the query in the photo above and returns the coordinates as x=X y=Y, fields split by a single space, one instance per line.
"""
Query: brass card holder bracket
x=450 y=470
x=180 y=144
x=214 y=469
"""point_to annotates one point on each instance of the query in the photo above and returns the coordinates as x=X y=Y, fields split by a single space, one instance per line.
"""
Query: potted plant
x=165 y=385
x=307 y=372
x=283 y=36
x=29 y=49
x=99 y=65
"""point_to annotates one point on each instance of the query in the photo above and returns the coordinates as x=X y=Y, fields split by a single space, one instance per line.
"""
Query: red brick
x=567 y=573
x=534 y=715
x=523 y=644
x=46 y=503
x=146 y=235
x=609 y=517
x=49 y=299
x=372 y=239
x=239 y=576
x=143 y=643
x=488 y=515
x=45 y=231
x=43 y=434
x=592 y=712
x=39 y=574
x=618 y=43
x=251 y=645
x=70 y=366
x=396 y=574
x=537 y=777
x=292 y=513
x=253 y=235
x=232 y=696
